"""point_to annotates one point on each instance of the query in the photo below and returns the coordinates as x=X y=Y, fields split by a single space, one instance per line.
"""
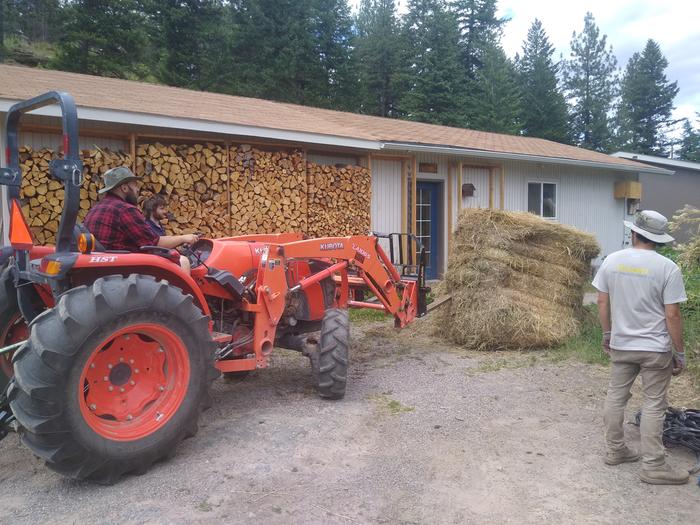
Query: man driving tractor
x=117 y=222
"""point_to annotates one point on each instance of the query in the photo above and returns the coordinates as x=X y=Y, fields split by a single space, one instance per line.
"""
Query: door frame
x=435 y=267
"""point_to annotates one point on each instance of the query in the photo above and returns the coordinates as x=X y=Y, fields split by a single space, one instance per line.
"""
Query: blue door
x=428 y=224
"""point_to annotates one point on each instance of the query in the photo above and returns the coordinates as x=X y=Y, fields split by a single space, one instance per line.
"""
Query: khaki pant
x=655 y=368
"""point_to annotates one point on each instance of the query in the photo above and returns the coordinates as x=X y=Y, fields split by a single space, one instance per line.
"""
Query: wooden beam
x=390 y=157
x=490 y=188
x=404 y=195
x=450 y=197
x=132 y=150
x=503 y=188
x=414 y=204
x=228 y=187
x=460 y=178
x=53 y=130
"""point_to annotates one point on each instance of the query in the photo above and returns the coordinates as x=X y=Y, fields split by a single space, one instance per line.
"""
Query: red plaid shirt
x=119 y=225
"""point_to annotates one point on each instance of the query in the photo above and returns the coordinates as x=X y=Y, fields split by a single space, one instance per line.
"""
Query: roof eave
x=450 y=150
x=146 y=119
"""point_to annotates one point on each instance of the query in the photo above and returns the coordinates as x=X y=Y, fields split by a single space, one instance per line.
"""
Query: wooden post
x=491 y=188
x=460 y=178
x=132 y=149
x=404 y=201
x=502 y=188
x=450 y=172
x=227 y=145
x=369 y=169
x=414 y=205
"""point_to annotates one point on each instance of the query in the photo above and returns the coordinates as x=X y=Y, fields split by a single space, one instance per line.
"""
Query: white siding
x=331 y=160
x=386 y=198
x=584 y=198
x=479 y=177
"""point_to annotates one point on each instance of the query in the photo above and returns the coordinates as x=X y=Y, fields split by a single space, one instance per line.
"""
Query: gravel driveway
x=427 y=434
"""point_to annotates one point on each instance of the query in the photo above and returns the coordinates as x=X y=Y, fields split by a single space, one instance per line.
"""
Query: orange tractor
x=113 y=353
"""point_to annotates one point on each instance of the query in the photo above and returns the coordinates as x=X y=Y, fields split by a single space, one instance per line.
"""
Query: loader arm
x=400 y=298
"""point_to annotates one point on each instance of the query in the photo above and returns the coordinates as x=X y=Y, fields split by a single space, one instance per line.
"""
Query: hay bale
x=516 y=281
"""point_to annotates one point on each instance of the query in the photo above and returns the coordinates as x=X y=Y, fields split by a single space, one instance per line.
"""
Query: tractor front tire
x=13 y=328
x=113 y=377
x=333 y=354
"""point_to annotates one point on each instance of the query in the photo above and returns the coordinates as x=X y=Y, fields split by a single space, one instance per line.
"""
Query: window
x=542 y=199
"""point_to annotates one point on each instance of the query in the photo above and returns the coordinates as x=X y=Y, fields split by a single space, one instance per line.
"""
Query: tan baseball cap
x=115 y=177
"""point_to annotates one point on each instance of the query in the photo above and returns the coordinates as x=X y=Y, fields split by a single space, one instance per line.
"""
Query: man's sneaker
x=664 y=476
x=621 y=456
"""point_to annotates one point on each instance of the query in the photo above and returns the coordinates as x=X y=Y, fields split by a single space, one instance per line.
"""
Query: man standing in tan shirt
x=639 y=292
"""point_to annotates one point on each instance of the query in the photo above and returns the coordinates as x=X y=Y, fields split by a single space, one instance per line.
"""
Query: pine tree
x=103 y=38
x=479 y=30
x=377 y=55
x=496 y=93
x=646 y=102
x=38 y=20
x=590 y=83
x=292 y=50
x=195 y=42
x=543 y=105
x=332 y=26
x=433 y=71
x=690 y=143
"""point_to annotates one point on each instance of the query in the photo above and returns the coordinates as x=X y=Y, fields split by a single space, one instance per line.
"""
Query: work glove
x=678 y=363
x=606 y=342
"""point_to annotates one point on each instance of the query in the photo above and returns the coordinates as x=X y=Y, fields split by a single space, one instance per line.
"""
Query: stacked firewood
x=339 y=200
x=43 y=197
x=212 y=190
x=194 y=180
x=268 y=191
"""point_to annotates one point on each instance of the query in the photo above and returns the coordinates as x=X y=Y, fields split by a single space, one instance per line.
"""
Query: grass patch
x=385 y=403
x=586 y=346
x=366 y=315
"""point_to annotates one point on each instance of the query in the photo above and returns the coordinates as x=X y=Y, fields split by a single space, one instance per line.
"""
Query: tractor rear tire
x=333 y=354
x=84 y=406
x=13 y=328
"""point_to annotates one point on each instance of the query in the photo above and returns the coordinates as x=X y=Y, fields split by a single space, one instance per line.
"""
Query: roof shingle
x=19 y=83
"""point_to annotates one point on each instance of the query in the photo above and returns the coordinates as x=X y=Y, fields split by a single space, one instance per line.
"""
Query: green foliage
x=543 y=106
x=103 y=38
x=432 y=65
x=195 y=41
x=646 y=102
x=294 y=51
x=377 y=55
x=590 y=81
x=480 y=30
x=690 y=143
x=494 y=95
x=586 y=346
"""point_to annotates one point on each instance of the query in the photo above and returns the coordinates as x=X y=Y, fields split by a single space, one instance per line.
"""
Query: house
x=422 y=174
x=668 y=195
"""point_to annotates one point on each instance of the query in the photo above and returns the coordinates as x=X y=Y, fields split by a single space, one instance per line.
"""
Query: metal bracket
x=67 y=171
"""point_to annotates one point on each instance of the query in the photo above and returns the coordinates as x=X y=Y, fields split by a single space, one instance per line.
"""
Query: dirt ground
x=426 y=434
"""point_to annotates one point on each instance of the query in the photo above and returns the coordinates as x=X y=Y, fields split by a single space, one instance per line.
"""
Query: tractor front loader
x=113 y=353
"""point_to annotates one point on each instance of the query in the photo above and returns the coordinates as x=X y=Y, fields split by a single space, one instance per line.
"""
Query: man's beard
x=132 y=198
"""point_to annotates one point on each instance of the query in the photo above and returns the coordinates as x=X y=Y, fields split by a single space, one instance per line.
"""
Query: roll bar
x=68 y=170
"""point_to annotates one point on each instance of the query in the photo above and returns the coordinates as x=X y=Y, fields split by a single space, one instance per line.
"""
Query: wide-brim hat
x=116 y=176
x=651 y=225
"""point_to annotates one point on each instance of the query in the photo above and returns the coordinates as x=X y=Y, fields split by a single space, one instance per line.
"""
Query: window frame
x=556 y=198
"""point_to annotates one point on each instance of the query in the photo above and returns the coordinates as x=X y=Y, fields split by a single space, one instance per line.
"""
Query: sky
x=628 y=24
